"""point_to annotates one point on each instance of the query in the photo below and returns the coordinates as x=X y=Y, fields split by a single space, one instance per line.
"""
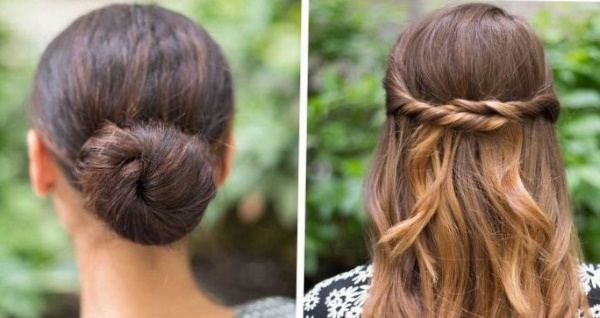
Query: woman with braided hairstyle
x=467 y=197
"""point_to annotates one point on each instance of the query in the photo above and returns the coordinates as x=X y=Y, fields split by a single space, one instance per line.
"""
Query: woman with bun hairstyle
x=132 y=109
x=467 y=198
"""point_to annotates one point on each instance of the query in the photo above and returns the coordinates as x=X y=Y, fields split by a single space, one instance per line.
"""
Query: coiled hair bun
x=151 y=183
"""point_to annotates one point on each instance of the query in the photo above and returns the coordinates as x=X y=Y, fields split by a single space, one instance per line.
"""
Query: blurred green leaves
x=261 y=40
x=31 y=241
x=348 y=44
x=573 y=48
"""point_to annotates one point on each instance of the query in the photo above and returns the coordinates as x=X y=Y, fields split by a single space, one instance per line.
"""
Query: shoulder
x=344 y=295
x=340 y=296
x=589 y=274
x=271 y=307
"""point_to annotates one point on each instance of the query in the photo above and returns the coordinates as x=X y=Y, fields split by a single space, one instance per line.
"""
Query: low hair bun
x=149 y=182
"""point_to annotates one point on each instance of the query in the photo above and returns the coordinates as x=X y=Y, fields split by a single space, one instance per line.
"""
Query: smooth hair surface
x=135 y=104
x=467 y=196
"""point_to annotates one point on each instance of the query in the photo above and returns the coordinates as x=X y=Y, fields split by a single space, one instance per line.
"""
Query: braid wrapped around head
x=484 y=115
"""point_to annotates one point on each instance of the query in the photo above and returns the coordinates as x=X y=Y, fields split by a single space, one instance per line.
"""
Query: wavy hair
x=467 y=196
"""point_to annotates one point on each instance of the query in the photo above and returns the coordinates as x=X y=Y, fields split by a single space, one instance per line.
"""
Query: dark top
x=344 y=295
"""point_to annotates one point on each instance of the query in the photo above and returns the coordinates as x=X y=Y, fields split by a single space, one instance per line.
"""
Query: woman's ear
x=42 y=171
x=227 y=163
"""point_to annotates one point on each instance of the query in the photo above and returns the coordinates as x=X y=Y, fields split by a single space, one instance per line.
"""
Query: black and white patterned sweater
x=344 y=295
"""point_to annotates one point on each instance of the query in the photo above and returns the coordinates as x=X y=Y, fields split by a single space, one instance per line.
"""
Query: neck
x=123 y=279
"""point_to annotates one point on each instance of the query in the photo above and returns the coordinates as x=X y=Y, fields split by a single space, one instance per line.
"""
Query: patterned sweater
x=344 y=295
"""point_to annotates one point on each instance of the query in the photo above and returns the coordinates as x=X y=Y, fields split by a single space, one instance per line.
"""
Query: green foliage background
x=349 y=43
x=261 y=41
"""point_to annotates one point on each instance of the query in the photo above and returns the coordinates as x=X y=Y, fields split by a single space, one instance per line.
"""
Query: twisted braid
x=485 y=115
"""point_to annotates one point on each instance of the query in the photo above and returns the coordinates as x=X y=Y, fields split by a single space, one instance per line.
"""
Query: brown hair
x=135 y=103
x=467 y=195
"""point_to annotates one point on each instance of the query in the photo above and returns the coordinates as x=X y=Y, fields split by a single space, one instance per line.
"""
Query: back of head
x=135 y=104
x=467 y=194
